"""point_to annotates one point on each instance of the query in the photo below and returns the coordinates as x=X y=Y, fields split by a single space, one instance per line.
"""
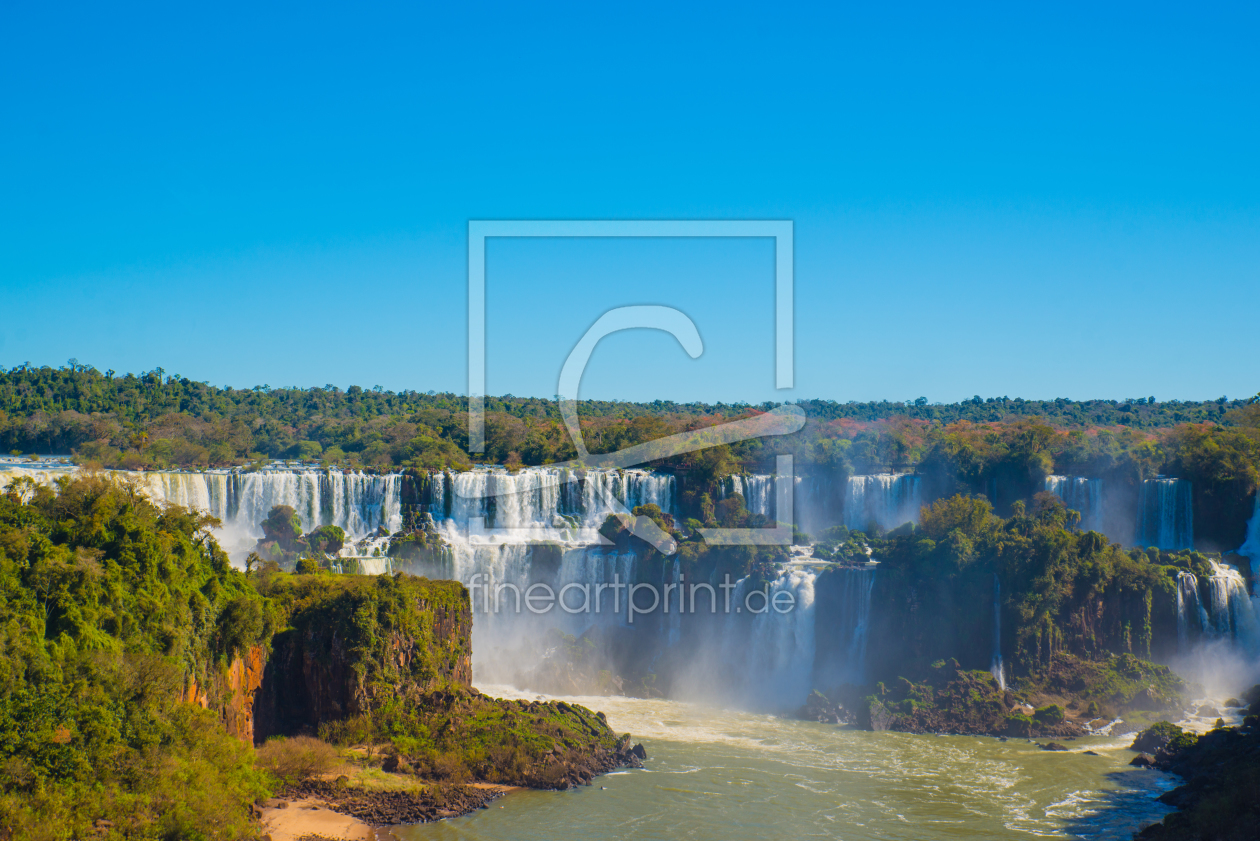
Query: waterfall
x=674 y=605
x=1189 y=610
x=1080 y=494
x=540 y=525
x=1165 y=514
x=1230 y=613
x=359 y=503
x=1251 y=550
x=779 y=663
x=843 y=598
x=995 y=666
x=855 y=613
x=757 y=489
x=1251 y=546
x=546 y=502
x=884 y=499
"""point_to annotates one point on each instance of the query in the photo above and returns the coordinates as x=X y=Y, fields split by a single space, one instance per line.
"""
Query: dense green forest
x=107 y=605
x=1063 y=589
x=159 y=420
x=123 y=630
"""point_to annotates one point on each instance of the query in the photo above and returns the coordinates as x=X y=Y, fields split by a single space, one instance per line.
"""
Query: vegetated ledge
x=1220 y=798
x=123 y=613
x=1067 y=699
x=381 y=665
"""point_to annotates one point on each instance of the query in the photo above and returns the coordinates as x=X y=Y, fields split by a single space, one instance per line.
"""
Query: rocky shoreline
x=1220 y=794
x=1071 y=698
x=424 y=802
x=394 y=807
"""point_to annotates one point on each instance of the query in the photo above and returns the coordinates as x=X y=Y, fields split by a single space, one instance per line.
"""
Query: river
x=726 y=775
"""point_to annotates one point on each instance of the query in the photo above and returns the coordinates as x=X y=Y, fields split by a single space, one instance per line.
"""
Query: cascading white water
x=1230 y=610
x=545 y=502
x=1189 y=609
x=1165 y=514
x=885 y=499
x=357 y=502
x=527 y=518
x=757 y=489
x=996 y=667
x=1080 y=494
x=780 y=655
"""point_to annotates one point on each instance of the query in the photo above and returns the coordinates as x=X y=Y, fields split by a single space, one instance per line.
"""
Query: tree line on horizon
x=155 y=420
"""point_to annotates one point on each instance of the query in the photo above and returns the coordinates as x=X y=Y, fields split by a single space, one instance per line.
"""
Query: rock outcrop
x=356 y=640
x=232 y=691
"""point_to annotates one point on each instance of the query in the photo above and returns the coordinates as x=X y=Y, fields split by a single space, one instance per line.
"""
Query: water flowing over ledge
x=540 y=525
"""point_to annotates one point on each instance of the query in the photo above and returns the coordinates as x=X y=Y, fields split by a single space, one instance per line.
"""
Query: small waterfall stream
x=1165 y=514
x=996 y=667
x=757 y=489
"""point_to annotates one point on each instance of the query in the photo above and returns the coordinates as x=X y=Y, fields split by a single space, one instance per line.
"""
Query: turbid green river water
x=726 y=776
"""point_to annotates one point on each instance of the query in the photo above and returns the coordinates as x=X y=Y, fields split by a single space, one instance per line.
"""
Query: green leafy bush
x=296 y=758
x=1052 y=714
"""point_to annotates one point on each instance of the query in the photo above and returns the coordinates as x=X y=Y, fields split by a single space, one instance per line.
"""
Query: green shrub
x=308 y=566
x=297 y=758
x=1181 y=742
x=1050 y=715
x=1156 y=736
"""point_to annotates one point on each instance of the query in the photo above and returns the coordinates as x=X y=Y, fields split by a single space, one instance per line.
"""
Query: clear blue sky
x=1001 y=199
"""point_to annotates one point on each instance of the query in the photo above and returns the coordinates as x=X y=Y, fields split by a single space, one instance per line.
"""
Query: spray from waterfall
x=1251 y=551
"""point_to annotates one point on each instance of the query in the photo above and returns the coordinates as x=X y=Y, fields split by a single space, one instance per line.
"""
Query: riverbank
x=359 y=810
x=1072 y=697
x=1218 y=770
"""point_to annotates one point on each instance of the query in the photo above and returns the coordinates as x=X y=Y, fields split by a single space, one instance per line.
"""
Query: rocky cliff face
x=232 y=692
x=358 y=642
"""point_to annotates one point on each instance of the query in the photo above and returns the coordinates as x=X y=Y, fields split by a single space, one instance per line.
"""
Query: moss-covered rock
x=1220 y=798
x=1156 y=737
x=385 y=660
x=462 y=735
x=1067 y=695
x=356 y=642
